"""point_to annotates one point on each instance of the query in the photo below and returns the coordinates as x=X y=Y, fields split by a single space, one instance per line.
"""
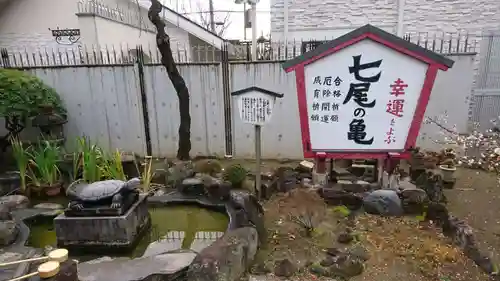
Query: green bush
x=21 y=95
x=235 y=174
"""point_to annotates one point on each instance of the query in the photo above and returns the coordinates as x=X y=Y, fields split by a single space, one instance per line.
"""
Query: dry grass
x=401 y=248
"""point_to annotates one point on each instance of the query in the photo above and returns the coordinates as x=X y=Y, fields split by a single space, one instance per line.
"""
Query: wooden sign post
x=364 y=94
x=255 y=106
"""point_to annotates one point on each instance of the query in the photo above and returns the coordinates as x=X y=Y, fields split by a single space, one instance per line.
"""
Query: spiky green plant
x=91 y=162
x=43 y=165
x=22 y=158
x=112 y=167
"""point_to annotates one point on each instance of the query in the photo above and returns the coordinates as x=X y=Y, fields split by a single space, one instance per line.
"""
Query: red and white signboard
x=364 y=94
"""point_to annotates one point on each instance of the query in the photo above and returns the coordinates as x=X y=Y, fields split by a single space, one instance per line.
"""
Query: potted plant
x=43 y=170
x=448 y=169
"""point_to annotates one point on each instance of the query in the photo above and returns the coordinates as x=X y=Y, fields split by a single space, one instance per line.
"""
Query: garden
x=128 y=217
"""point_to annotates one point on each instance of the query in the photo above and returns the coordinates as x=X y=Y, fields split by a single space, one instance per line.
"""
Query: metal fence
x=130 y=88
x=485 y=104
x=445 y=43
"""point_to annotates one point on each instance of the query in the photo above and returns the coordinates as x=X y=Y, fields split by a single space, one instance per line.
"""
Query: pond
x=172 y=228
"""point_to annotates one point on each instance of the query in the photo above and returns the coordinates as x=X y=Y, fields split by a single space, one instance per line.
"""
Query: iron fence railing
x=444 y=43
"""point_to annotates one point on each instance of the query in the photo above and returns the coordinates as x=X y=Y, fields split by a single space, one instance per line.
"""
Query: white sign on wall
x=362 y=98
x=255 y=105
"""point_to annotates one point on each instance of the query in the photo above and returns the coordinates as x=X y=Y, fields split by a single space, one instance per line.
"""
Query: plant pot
x=48 y=190
x=53 y=190
x=448 y=173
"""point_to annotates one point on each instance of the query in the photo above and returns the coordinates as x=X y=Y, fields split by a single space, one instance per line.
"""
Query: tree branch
x=167 y=60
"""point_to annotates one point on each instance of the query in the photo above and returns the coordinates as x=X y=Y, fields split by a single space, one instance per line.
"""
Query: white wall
x=32 y=33
x=316 y=19
x=25 y=24
x=104 y=103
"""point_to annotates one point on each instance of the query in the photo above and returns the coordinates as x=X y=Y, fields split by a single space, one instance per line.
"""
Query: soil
x=399 y=247
x=475 y=198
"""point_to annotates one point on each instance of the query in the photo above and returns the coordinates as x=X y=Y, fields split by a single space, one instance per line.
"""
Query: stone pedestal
x=103 y=233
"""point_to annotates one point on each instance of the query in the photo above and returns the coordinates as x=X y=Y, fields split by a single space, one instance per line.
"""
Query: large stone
x=284 y=268
x=15 y=254
x=178 y=172
x=340 y=197
x=14 y=201
x=248 y=212
x=103 y=232
x=5 y=213
x=383 y=202
x=8 y=232
x=192 y=186
x=167 y=266
x=227 y=259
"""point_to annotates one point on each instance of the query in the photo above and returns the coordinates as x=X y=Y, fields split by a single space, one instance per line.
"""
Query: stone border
x=458 y=230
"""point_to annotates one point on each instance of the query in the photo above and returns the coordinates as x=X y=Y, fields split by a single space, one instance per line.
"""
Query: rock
x=354 y=186
x=8 y=232
x=328 y=261
x=345 y=238
x=333 y=252
x=413 y=200
x=192 y=186
x=14 y=201
x=346 y=266
x=227 y=258
x=406 y=184
x=178 y=172
x=160 y=177
x=166 y=266
x=284 y=268
x=214 y=187
x=340 y=197
x=5 y=213
x=286 y=179
x=306 y=166
x=260 y=269
x=359 y=251
x=249 y=212
x=383 y=202
x=49 y=206
x=414 y=195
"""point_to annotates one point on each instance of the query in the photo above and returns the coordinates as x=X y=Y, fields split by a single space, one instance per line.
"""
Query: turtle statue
x=108 y=193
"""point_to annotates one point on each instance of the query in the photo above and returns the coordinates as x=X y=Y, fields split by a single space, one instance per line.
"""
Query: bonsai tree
x=21 y=96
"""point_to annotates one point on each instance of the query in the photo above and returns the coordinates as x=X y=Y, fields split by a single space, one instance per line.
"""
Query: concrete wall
x=25 y=24
x=319 y=20
x=104 y=103
x=98 y=26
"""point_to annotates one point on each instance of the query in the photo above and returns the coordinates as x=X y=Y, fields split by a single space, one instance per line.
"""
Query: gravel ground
x=476 y=199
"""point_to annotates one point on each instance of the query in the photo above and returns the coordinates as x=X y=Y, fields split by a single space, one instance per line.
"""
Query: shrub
x=208 y=166
x=21 y=95
x=235 y=174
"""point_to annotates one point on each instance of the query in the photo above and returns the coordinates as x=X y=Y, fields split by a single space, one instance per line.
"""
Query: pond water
x=172 y=228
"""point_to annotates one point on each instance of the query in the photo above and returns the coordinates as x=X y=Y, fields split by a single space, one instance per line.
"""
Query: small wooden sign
x=255 y=104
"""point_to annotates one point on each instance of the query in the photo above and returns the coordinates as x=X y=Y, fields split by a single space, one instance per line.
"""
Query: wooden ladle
x=45 y=270
x=58 y=255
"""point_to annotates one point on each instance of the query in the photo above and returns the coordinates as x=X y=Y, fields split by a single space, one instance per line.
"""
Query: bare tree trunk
x=167 y=60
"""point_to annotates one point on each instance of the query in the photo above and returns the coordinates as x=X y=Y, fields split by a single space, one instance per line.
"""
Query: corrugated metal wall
x=204 y=82
x=104 y=103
